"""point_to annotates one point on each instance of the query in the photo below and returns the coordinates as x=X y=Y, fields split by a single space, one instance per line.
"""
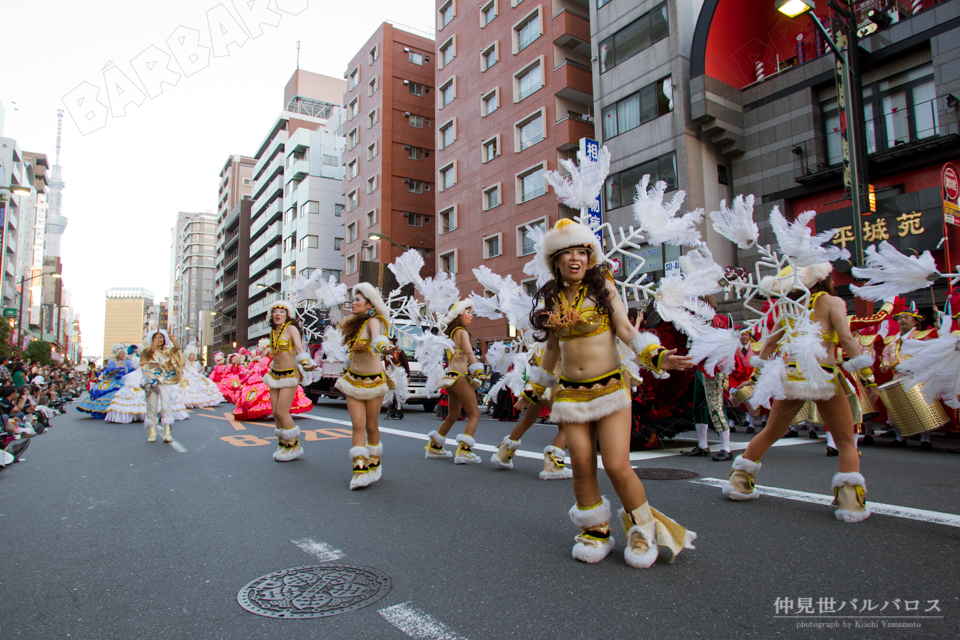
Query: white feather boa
x=889 y=273
x=935 y=363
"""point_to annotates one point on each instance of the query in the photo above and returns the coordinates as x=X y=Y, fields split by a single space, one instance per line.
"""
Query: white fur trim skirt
x=795 y=387
x=581 y=401
x=364 y=386
x=281 y=379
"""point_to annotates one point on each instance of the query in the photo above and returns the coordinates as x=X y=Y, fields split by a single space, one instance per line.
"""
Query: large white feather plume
x=935 y=363
x=331 y=293
x=485 y=307
x=429 y=352
x=402 y=382
x=889 y=272
x=581 y=188
x=769 y=385
x=677 y=300
x=803 y=345
x=698 y=265
x=736 y=224
x=535 y=267
x=658 y=220
x=333 y=347
x=716 y=348
x=797 y=240
x=499 y=356
x=407 y=267
x=439 y=292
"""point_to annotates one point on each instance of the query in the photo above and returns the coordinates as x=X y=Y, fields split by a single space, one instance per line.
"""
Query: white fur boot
x=361 y=467
x=741 y=481
x=850 y=491
x=553 y=465
x=376 y=465
x=167 y=433
x=288 y=445
x=641 y=550
x=465 y=454
x=435 y=446
x=594 y=541
x=151 y=432
x=503 y=458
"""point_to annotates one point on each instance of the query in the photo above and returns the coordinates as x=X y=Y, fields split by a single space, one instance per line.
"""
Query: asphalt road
x=107 y=536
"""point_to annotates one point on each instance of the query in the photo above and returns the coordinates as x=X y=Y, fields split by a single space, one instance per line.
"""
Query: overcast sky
x=126 y=181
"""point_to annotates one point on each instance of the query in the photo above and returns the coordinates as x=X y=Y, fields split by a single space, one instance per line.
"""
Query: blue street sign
x=591 y=149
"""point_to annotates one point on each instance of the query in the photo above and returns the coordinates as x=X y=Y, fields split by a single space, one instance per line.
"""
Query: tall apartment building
x=34 y=217
x=194 y=240
x=125 y=317
x=232 y=264
x=390 y=155
x=15 y=171
x=641 y=80
x=295 y=220
x=515 y=95
x=780 y=129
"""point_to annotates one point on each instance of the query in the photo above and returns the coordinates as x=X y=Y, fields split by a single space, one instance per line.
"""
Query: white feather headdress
x=797 y=240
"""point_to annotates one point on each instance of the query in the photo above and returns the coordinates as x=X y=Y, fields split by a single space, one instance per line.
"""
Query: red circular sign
x=951 y=183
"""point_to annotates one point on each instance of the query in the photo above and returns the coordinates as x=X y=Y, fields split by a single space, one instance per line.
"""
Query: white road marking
x=319 y=550
x=734 y=446
x=417 y=624
x=908 y=513
x=179 y=448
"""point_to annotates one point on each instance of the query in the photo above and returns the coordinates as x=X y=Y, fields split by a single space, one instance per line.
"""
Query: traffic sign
x=9 y=312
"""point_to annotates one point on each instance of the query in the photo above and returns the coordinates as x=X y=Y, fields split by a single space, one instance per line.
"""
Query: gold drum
x=910 y=413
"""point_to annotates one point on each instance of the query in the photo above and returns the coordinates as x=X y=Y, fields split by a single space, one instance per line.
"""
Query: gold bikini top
x=455 y=353
x=570 y=321
x=362 y=345
x=829 y=337
x=277 y=343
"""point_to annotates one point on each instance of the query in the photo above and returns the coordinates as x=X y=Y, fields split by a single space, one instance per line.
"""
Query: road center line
x=417 y=624
x=319 y=550
x=908 y=513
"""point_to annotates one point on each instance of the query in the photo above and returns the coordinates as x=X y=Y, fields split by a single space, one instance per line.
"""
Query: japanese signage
x=950 y=185
x=911 y=221
x=591 y=149
x=652 y=257
x=842 y=109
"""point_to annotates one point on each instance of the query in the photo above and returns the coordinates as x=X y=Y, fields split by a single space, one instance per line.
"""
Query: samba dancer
x=162 y=366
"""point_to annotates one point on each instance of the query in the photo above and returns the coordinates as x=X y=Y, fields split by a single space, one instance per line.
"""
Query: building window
x=326 y=273
x=487 y=13
x=308 y=207
x=491 y=102
x=415 y=219
x=372 y=184
x=309 y=242
x=330 y=161
x=337 y=243
x=353 y=200
x=354 y=108
x=645 y=31
x=448 y=219
x=448 y=134
x=373 y=85
x=371 y=252
x=603 y=3
x=415 y=58
x=651 y=102
x=621 y=187
x=338 y=210
x=491 y=197
x=525 y=240
x=489 y=57
x=530 y=184
x=416 y=121
x=448 y=176
x=447 y=92
x=351 y=264
x=446 y=13
x=414 y=153
x=491 y=148
x=415 y=186
x=372 y=151
x=352 y=232
x=353 y=138
x=372 y=118
x=352 y=169
x=448 y=51
x=416 y=89
x=354 y=78
x=448 y=262
x=527 y=31
x=530 y=131
x=529 y=80
x=491 y=246
x=373 y=54
x=371 y=218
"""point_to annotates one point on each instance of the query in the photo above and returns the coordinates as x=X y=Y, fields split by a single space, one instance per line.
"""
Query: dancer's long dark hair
x=456 y=323
x=594 y=279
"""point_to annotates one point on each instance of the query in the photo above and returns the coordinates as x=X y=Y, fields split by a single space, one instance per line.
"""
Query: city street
x=107 y=536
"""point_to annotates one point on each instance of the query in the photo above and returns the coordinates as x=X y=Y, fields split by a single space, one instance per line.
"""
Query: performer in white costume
x=162 y=365
x=197 y=389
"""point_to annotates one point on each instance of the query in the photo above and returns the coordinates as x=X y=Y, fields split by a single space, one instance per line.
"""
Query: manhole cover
x=314 y=591
x=665 y=474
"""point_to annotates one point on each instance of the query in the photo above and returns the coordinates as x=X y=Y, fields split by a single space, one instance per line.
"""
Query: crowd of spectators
x=30 y=395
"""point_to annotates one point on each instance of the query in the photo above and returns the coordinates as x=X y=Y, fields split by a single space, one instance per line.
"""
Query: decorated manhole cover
x=665 y=474
x=314 y=591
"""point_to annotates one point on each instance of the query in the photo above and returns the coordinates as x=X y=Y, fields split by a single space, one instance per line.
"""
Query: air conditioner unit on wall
x=406 y=49
x=407 y=147
x=406 y=114
x=405 y=214
x=406 y=82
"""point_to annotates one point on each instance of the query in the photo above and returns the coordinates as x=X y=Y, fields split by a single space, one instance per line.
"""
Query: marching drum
x=910 y=413
x=867 y=408
x=855 y=406
x=741 y=395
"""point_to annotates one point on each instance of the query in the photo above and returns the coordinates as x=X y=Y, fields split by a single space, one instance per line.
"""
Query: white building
x=13 y=171
x=194 y=247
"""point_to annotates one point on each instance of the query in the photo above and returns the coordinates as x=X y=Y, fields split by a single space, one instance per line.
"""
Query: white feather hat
x=291 y=312
x=148 y=339
x=785 y=281
x=567 y=234
x=118 y=347
x=456 y=310
x=373 y=296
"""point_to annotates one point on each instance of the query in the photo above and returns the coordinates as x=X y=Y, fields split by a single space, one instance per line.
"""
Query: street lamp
x=850 y=100
x=380 y=236
x=24 y=279
x=16 y=189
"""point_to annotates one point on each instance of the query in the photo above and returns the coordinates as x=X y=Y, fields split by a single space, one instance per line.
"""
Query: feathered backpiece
x=716 y=348
x=935 y=363
x=535 y=267
x=888 y=272
x=439 y=292
x=331 y=293
x=429 y=352
x=769 y=385
x=658 y=221
x=797 y=240
x=333 y=348
x=407 y=268
x=580 y=189
x=678 y=300
x=736 y=224
x=402 y=383
x=509 y=299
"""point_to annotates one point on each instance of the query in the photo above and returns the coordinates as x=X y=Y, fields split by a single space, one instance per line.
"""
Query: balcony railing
x=571 y=128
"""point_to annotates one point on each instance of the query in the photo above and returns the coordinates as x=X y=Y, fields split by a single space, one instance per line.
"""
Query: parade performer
x=230 y=382
x=198 y=391
x=284 y=376
x=219 y=365
x=461 y=379
x=162 y=365
x=363 y=336
x=581 y=318
x=708 y=392
x=97 y=402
